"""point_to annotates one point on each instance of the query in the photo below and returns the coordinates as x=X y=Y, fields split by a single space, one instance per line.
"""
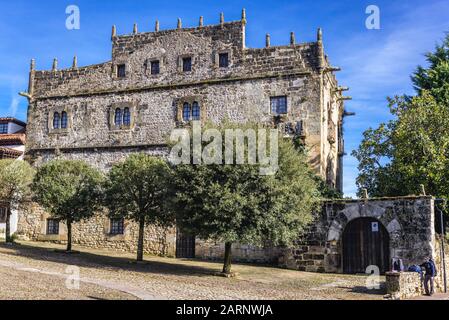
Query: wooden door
x=365 y=243
x=185 y=246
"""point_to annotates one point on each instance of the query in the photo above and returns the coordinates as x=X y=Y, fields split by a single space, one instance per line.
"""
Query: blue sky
x=375 y=63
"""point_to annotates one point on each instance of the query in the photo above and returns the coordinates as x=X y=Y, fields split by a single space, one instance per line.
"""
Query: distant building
x=12 y=138
x=12 y=146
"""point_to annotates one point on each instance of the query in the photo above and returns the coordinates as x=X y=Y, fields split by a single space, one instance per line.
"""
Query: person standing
x=431 y=273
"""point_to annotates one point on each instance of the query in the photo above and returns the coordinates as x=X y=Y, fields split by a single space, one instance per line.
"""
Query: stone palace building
x=158 y=81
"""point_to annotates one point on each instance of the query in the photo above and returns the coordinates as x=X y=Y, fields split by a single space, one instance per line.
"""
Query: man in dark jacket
x=431 y=273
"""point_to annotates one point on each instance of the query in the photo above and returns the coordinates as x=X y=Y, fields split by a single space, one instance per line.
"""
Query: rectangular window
x=3 y=128
x=155 y=67
x=118 y=226
x=52 y=226
x=223 y=59
x=187 y=64
x=279 y=105
x=121 y=71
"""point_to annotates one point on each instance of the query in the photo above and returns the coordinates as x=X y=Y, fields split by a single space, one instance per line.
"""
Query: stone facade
x=404 y=285
x=409 y=222
x=88 y=98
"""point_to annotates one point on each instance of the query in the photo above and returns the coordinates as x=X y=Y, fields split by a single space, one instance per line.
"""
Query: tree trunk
x=69 y=235
x=228 y=258
x=140 y=241
x=8 y=225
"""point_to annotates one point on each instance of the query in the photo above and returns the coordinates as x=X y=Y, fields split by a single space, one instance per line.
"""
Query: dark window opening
x=118 y=117
x=196 y=112
x=187 y=64
x=52 y=226
x=3 y=128
x=279 y=105
x=223 y=59
x=118 y=226
x=186 y=112
x=126 y=117
x=64 y=120
x=121 y=71
x=56 y=121
x=155 y=67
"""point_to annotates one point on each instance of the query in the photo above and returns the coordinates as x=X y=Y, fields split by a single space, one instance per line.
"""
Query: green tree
x=69 y=190
x=236 y=204
x=15 y=179
x=412 y=149
x=136 y=189
x=435 y=78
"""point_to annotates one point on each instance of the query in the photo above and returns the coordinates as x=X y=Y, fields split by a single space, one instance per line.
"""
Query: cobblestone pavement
x=436 y=296
x=37 y=271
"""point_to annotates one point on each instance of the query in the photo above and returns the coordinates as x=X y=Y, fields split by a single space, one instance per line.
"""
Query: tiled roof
x=8 y=153
x=12 y=139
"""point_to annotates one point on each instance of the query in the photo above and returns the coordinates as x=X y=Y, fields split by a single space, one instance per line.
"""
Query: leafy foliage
x=234 y=203
x=15 y=179
x=136 y=189
x=412 y=149
x=69 y=190
x=435 y=78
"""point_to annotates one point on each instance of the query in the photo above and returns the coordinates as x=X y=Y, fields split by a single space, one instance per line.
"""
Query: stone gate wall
x=408 y=220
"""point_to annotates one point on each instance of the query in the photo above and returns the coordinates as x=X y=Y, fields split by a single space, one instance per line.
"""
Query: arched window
x=186 y=112
x=118 y=117
x=196 y=112
x=64 y=120
x=126 y=117
x=56 y=120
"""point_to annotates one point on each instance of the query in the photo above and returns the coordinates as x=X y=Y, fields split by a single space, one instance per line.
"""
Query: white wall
x=13 y=222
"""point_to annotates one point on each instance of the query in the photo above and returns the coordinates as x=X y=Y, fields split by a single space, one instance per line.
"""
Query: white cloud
x=13 y=107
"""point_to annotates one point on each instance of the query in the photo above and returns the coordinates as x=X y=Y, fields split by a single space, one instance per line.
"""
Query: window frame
x=56 y=121
x=119 y=67
x=190 y=64
x=64 y=121
x=52 y=228
x=114 y=124
x=152 y=69
x=126 y=117
x=220 y=55
x=186 y=110
x=195 y=114
x=116 y=226
x=275 y=108
x=190 y=101
x=4 y=126
x=118 y=117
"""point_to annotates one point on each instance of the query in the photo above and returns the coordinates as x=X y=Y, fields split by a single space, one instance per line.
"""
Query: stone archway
x=360 y=209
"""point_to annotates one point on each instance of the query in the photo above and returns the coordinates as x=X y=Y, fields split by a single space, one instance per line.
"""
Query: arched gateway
x=366 y=242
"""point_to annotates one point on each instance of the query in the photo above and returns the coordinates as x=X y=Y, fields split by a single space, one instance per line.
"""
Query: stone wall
x=95 y=233
x=408 y=220
x=209 y=250
x=403 y=285
x=439 y=283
